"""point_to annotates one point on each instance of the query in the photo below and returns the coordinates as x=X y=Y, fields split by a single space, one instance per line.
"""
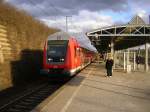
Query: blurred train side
x=63 y=54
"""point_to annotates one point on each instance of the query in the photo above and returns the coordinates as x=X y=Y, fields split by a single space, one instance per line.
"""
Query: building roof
x=137 y=21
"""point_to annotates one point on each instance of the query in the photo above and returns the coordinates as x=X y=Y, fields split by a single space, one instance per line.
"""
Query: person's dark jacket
x=109 y=64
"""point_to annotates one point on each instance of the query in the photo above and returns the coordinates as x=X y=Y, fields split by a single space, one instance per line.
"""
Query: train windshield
x=57 y=48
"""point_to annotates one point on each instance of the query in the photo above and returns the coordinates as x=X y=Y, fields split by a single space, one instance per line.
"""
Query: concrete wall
x=5 y=56
x=20 y=56
x=21 y=42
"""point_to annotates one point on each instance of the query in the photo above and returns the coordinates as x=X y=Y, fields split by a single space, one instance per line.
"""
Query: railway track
x=31 y=99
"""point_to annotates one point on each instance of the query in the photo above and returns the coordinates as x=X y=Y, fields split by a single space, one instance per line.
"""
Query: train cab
x=62 y=54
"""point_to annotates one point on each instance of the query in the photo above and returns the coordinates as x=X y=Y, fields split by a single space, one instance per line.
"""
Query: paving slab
x=92 y=91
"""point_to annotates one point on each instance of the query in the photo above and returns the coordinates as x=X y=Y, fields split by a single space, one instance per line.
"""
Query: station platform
x=92 y=91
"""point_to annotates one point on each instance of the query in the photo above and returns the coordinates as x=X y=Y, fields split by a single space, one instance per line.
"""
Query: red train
x=63 y=54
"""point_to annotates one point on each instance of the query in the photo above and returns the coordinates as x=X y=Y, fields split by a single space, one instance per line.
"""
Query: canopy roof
x=132 y=34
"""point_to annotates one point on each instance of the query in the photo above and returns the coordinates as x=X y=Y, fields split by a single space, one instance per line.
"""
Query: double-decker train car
x=63 y=54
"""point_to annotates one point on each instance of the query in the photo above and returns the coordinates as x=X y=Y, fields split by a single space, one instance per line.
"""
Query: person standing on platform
x=109 y=65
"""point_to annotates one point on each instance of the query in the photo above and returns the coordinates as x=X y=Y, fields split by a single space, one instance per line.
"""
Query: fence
x=123 y=59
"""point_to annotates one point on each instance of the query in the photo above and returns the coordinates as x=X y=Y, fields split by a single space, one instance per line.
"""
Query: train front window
x=57 y=48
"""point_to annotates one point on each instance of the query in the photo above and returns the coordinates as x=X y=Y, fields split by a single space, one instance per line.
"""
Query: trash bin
x=128 y=68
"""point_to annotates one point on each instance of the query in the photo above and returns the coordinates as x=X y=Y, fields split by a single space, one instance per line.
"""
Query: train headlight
x=50 y=59
x=61 y=59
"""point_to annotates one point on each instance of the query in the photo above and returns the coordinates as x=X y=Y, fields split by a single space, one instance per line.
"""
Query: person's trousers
x=109 y=72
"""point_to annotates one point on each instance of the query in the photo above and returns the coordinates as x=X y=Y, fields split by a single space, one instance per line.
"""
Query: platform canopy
x=132 y=34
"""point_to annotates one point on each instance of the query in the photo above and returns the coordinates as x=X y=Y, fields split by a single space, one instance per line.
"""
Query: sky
x=84 y=15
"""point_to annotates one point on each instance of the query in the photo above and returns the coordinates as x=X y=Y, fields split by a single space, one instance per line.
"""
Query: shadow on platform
x=76 y=81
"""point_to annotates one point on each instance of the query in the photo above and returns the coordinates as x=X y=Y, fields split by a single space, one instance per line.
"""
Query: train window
x=57 y=48
x=57 y=42
x=78 y=51
x=75 y=51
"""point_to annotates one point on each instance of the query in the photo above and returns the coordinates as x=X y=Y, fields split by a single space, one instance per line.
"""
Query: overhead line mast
x=67 y=23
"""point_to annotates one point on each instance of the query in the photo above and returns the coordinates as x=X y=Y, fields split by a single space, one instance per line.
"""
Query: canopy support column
x=134 y=61
x=112 y=51
x=124 y=61
x=146 y=57
x=112 y=48
x=128 y=61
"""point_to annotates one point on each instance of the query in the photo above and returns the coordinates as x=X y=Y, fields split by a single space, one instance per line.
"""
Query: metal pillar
x=146 y=57
x=128 y=61
x=128 y=56
x=134 y=61
x=124 y=61
x=112 y=48
x=67 y=23
x=112 y=51
x=114 y=57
